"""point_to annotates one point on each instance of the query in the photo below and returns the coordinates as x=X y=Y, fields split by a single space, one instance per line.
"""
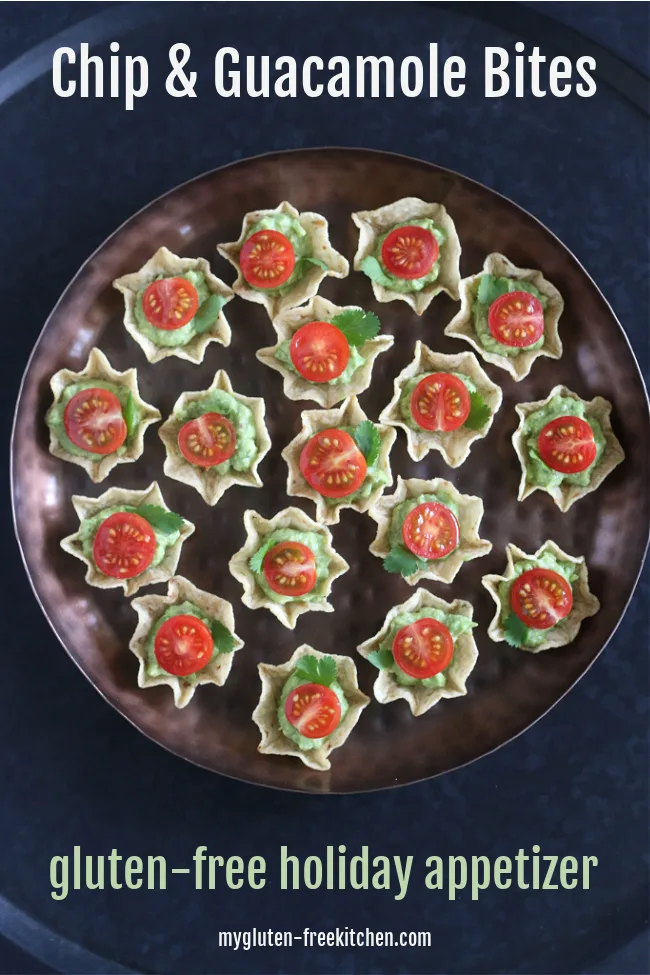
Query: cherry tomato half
x=423 y=649
x=567 y=445
x=267 y=259
x=93 y=420
x=207 y=441
x=170 y=303
x=183 y=645
x=431 y=530
x=541 y=598
x=313 y=710
x=332 y=464
x=124 y=545
x=440 y=402
x=319 y=351
x=290 y=569
x=516 y=319
x=409 y=252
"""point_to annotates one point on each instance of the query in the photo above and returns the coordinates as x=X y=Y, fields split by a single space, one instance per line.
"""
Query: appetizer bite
x=127 y=538
x=174 y=306
x=340 y=459
x=287 y=565
x=282 y=256
x=308 y=706
x=215 y=438
x=566 y=446
x=184 y=639
x=509 y=315
x=410 y=251
x=325 y=352
x=98 y=418
x=541 y=599
x=424 y=652
x=443 y=402
x=427 y=529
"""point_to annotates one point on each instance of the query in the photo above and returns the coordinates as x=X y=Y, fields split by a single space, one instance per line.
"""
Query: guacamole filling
x=241 y=417
x=455 y=623
x=377 y=270
x=407 y=392
x=152 y=667
x=205 y=318
x=288 y=730
x=90 y=526
x=294 y=231
x=55 y=414
x=315 y=543
x=491 y=288
x=547 y=561
x=400 y=512
x=537 y=472
x=356 y=360
x=374 y=478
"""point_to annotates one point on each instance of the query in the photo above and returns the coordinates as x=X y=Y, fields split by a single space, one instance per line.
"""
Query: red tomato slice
x=290 y=569
x=332 y=464
x=170 y=303
x=93 y=420
x=409 y=252
x=431 y=530
x=183 y=645
x=267 y=259
x=440 y=402
x=423 y=649
x=124 y=545
x=208 y=440
x=516 y=319
x=313 y=710
x=319 y=351
x=567 y=445
x=541 y=598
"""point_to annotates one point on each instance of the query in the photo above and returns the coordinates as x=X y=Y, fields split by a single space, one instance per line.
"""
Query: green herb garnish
x=515 y=632
x=479 y=412
x=381 y=659
x=373 y=269
x=256 y=560
x=357 y=325
x=317 y=670
x=208 y=313
x=224 y=642
x=317 y=261
x=161 y=520
x=403 y=562
x=368 y=441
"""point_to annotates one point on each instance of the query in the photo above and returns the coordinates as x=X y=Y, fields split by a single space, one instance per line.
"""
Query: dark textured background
x=71 y=770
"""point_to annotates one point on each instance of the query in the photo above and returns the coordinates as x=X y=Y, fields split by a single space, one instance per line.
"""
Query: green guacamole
x=240 y=416
x=537 y=471
x=455 y=623
x=406 y=285
x=89 y=527
x=54 y=417
x=406 y=507
x=316 y=544
x=489 y=290
x=178 y=336
x=305 y=744
x=356 y=360
x=299 y=238
x=548 y=561
x=374 y=478
x=407 y=392
x=152 y=666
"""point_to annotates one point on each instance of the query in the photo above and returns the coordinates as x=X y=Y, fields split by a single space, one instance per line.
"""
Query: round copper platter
x=509 y=689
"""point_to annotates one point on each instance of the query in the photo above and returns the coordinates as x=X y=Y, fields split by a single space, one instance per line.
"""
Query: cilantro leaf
x=479 y=412
x=381 y=659
x=515 y=632
x=368 y=441
x=373 y=269
x=161 y=520
x=357 y=325
x=492 y=288
x=130 y=416
x=317 y=671
x=317 y=261
x=400 y=560
x=208 y=313
x=224 y=642
x=256 y=560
